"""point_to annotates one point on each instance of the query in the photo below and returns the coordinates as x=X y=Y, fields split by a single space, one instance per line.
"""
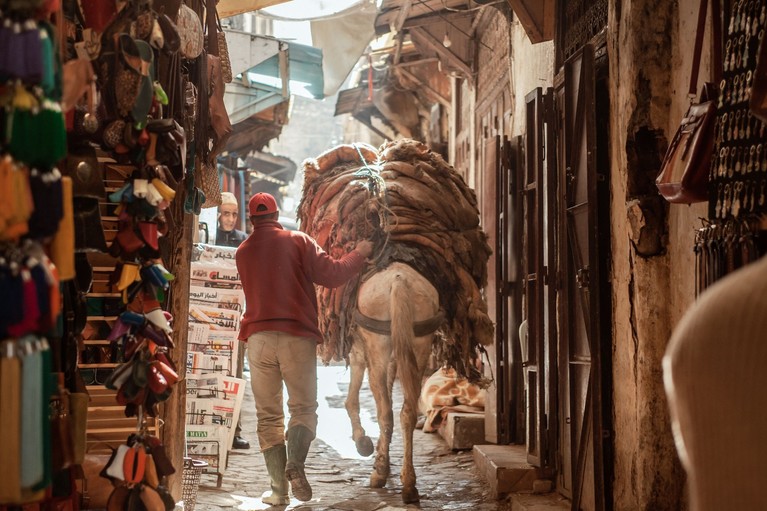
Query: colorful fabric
x=443 y=392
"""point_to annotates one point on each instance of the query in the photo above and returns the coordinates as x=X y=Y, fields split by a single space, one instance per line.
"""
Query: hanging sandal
x=128 y=79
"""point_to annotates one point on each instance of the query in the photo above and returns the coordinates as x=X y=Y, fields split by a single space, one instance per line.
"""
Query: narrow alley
x=447 y=480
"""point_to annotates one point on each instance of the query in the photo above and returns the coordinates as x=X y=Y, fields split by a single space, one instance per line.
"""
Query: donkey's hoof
x=410 y=495
x=364 y=446
x=377 y=480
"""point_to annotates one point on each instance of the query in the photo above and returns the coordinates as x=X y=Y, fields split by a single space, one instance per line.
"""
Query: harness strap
x=383 y=327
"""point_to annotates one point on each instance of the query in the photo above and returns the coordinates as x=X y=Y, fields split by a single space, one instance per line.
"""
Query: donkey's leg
x=357 y=369
x=377 y=375
x=408 y=417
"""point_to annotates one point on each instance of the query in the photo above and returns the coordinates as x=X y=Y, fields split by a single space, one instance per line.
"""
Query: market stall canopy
x=304 y=69
x=266 y=71
x=227 y=8
x=271 y=168
x=255 y=132
x=357 y=102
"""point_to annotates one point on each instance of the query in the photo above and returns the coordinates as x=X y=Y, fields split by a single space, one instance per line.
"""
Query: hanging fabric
x=10 y=403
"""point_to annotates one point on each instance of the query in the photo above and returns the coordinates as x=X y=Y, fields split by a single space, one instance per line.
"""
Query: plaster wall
x=650 y=46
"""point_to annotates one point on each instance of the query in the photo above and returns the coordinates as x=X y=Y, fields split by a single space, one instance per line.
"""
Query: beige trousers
x=274 y=358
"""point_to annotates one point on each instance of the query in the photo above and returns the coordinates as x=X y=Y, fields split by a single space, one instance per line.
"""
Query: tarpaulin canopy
x=304 y=65
x=227 y=8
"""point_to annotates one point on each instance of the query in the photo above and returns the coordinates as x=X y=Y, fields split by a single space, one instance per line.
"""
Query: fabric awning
x=228 y=8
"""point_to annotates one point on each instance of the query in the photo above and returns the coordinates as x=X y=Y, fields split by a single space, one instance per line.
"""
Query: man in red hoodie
x=278 y=270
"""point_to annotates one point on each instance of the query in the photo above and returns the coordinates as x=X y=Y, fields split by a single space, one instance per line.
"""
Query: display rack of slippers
x=123 y=130
x=734 y=233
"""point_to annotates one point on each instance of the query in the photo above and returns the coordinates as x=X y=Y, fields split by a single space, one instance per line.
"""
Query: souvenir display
x=732 y=236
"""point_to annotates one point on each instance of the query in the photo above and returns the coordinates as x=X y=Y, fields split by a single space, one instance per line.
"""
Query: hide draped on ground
x=418 y=210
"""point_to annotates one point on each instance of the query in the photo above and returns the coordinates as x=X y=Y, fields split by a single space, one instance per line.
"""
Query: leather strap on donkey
x=420 y=328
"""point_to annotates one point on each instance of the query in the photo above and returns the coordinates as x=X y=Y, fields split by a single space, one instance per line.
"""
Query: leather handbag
x=83 y=167
x=217 y=114
x=190 y=32
x=683 y=178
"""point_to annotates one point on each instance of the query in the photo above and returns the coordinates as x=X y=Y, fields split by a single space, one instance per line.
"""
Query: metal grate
x=582 y=20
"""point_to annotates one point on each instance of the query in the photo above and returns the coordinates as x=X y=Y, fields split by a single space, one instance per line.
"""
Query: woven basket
x=191 y=482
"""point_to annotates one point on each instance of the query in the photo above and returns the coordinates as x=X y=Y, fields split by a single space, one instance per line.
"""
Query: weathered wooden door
x=583 y=269
x=508 y=275
x=540 y=289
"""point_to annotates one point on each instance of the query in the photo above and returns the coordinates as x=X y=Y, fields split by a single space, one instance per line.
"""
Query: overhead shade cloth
x=304 y=64
x=228 y=8
x=343 y=37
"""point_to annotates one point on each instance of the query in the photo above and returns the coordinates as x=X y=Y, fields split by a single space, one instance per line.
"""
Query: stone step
x=505 y=468
x=463 y=430
x=534 y=502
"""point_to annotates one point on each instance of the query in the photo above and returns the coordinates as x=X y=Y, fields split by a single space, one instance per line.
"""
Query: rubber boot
x=299 y=440
x=275 y=458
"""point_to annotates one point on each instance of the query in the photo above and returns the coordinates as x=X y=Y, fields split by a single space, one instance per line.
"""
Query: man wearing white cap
x=228 y=236
x=228 y=212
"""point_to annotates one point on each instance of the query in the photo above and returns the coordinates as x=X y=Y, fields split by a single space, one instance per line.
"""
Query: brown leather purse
x=684 y=173
x=218 y=117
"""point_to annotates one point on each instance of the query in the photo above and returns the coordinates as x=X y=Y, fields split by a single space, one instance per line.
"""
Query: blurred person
x=228 y=236
x=278 y=269
x=714 y=375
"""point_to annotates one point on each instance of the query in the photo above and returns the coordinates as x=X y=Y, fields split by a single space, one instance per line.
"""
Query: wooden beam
x=404 y=12
x=537 y=18
x=424 y=87
x=421 y=36
x=178 y=255
x=386 y=20
x=435 y=19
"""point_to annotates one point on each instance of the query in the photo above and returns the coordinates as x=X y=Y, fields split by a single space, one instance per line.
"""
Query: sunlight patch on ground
x=334 y=427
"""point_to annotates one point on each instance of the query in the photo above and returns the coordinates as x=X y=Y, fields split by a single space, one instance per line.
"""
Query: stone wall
x=652 y=275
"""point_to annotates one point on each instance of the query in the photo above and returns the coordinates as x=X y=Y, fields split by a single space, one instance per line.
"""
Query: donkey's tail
x=402 y=317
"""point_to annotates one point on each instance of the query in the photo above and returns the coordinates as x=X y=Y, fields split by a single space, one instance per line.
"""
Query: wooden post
x=179 y=258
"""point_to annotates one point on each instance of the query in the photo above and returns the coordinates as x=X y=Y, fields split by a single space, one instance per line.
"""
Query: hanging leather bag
x=218 y=116
x=683 y=177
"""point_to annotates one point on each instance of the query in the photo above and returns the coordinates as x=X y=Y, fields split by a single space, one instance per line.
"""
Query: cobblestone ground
x=339 y=476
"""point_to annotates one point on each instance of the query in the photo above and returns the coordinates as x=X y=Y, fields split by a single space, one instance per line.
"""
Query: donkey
x=397 y=314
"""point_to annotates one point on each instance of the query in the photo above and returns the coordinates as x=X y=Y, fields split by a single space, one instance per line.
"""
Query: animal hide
x=419 y=211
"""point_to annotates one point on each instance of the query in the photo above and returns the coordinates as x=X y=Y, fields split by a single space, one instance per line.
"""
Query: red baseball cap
x=262 y=204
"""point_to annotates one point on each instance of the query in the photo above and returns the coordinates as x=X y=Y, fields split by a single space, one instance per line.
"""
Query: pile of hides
x=418 y=210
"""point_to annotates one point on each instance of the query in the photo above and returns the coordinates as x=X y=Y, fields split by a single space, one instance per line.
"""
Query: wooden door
x=584 y=250
x=508 y=275
x=540 y=187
